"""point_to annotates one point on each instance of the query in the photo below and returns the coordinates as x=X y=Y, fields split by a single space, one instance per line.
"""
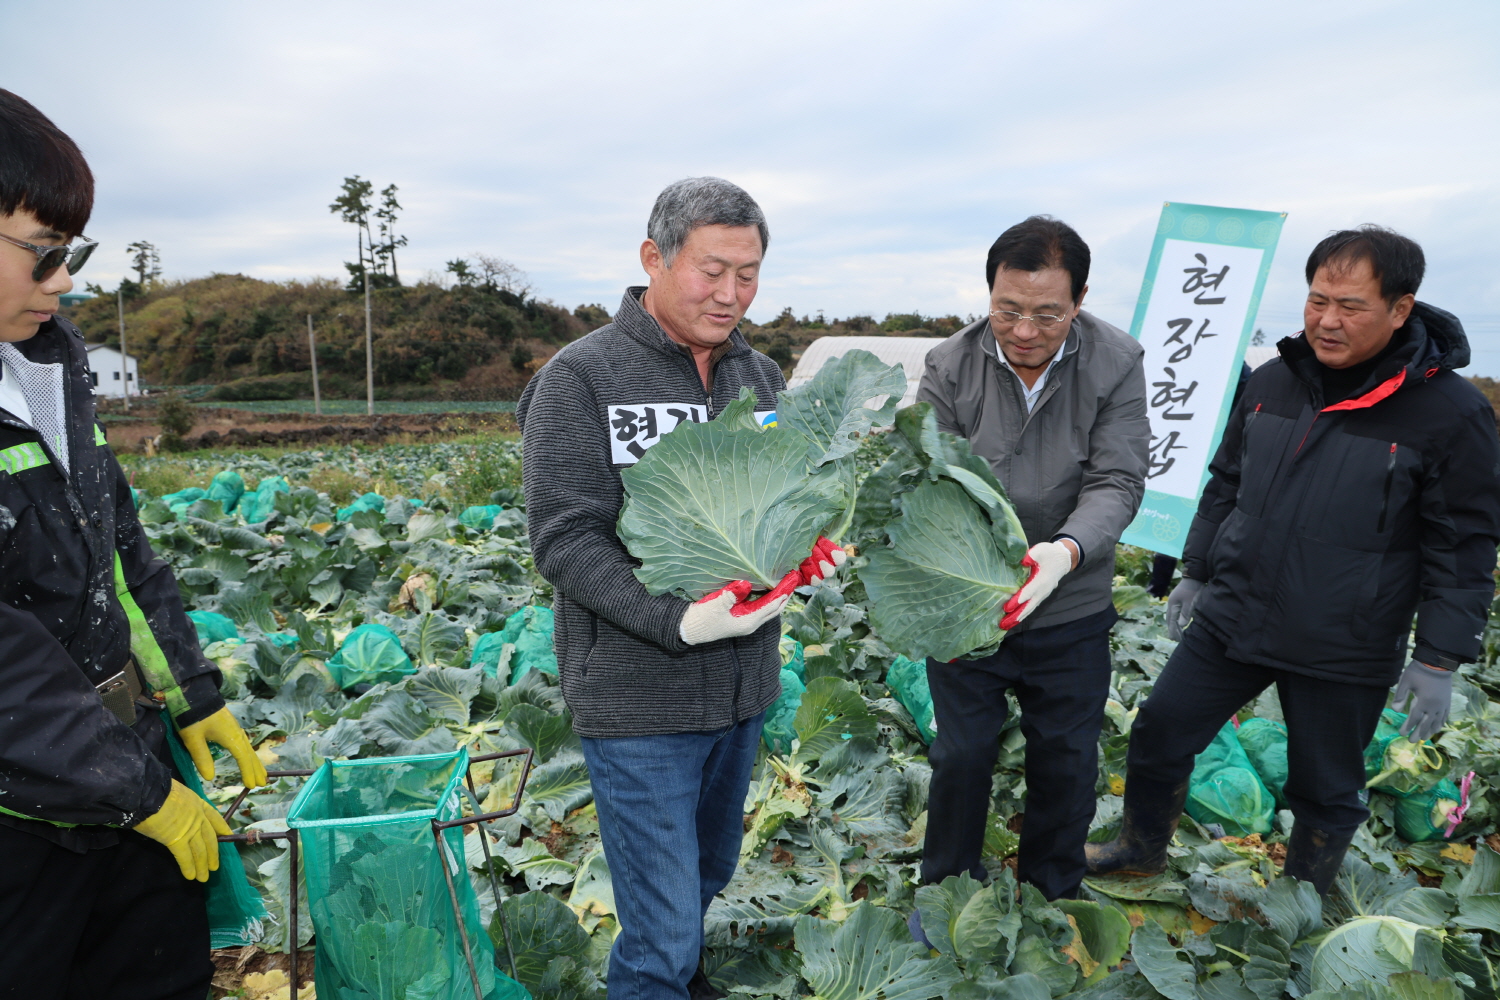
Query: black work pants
x=118 y=922
x=1060 y=674
x=1329 y=724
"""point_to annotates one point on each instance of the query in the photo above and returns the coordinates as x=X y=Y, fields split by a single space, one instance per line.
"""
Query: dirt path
x=220 y=427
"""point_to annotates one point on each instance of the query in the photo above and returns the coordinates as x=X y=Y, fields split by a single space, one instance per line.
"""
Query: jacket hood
x=1435 y=342
x=1447 y=344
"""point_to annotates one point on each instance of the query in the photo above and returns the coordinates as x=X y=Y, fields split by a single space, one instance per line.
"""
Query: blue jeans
x=671 y=815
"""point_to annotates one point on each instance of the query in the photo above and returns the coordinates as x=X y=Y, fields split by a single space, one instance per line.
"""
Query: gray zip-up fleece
x=592 y=410
x=1076 y=464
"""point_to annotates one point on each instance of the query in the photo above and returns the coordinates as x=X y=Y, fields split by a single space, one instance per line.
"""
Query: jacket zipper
x=1306 y=433
x=1385 y=501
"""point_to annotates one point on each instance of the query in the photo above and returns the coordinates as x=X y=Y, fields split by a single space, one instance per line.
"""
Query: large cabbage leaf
x=944 y=545
x=726 y=500
x=870 y=956
x=1371 y=949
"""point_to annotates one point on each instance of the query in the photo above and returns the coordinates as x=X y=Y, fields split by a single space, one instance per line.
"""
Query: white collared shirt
x=11 y=397
x=1035 y=392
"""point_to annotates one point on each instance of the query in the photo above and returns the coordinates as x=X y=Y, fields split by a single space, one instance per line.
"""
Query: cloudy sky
x=888 y=142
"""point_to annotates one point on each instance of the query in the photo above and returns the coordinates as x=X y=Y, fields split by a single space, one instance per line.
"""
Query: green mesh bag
x=370 y=501
x=1427 y=815
x=793 y=658
x=227 y=488
x=183 y=499
x=1386 y=730
x=481 y=517
x=376 y=888
x=1408 y=768
x=236 y=912
x=259 y=504
x=369 y=654
x=1264 y=742
x=212 y=627
x=907 y=680
x=1224 y=789
x=530 y=631
x=779 y=731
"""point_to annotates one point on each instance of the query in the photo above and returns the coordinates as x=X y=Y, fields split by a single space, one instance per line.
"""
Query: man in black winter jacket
x=104 y=850
x=1357 y=485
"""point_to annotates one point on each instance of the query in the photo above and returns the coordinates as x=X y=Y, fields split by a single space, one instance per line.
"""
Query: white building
x=908 y=352
x=109 y=378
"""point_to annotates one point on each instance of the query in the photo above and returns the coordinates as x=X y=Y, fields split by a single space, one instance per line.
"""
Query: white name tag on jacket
x=634 y=427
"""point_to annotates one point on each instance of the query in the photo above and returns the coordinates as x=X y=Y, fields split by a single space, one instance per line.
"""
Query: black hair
x=1037 y=243
x=41 y=169
x=1398 y=262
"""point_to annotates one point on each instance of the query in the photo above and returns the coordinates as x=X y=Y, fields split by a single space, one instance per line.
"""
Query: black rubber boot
x=1152 y=809
x=699 y=988
x=1315 y=856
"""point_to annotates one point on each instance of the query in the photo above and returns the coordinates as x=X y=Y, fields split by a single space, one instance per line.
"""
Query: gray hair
x=692 y=202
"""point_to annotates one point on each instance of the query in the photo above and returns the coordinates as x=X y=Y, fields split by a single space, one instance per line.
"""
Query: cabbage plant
x=945 y=547
x=727 y=500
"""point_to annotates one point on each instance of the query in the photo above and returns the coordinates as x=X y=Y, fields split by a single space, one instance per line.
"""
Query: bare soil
x=216 y=428
x=232 y=965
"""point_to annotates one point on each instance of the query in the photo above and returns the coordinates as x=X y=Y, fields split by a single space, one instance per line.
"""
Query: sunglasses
x=49 y=259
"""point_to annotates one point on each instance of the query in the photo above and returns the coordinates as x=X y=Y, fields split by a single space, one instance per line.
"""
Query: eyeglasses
x=49 y=259
x=1042 y=321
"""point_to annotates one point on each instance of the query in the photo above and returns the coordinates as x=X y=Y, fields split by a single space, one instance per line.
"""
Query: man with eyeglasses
x=105 y=850
x=1055 y=399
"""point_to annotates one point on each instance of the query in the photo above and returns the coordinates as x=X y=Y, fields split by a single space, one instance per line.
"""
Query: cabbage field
x=367 y=602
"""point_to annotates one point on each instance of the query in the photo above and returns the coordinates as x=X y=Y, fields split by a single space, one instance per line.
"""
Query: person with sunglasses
x=105 y=849
x=1055 y=399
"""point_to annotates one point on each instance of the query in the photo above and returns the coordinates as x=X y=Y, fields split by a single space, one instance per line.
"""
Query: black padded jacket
x=1325 y=528
x=80 y=591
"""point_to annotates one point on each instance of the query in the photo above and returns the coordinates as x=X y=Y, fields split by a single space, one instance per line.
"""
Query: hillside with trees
x=481 y=338
x=248 y=337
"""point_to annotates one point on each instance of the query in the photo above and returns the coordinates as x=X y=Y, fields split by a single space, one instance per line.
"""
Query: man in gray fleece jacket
x=1055 y=399
x=668 y=697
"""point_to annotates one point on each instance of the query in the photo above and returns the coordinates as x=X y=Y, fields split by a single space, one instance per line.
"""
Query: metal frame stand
x=290 y=836
x=438 y=826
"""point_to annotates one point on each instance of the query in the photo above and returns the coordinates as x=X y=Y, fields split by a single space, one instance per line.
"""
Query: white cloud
x=889 y=142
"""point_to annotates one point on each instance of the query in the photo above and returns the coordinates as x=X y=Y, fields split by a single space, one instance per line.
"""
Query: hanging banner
x=1203 y=284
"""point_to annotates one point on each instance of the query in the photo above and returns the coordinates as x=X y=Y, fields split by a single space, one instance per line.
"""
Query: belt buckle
x=118 y=698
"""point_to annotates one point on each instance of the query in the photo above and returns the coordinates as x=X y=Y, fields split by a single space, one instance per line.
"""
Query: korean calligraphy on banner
x=1198 y=303
x=634 y=428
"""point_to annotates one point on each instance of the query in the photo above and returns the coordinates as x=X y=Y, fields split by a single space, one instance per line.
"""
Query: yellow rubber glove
x=188 y=826
x=222 y=729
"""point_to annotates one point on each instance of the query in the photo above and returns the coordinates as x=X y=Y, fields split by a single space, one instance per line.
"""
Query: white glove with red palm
x=1049 y=562
x=728 y=613
x=826 y=558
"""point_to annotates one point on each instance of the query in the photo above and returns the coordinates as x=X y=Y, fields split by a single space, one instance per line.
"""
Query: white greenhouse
x=908 y=352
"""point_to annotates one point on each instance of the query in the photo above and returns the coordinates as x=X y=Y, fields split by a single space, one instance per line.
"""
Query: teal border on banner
x=1232 y=227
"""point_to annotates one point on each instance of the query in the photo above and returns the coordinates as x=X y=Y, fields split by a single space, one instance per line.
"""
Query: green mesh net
x=369 y=654
x=377 y=892
x=236 y=912
x=907 y=680
x=1265 y=743
x=1225 y=790
x=779 y=730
